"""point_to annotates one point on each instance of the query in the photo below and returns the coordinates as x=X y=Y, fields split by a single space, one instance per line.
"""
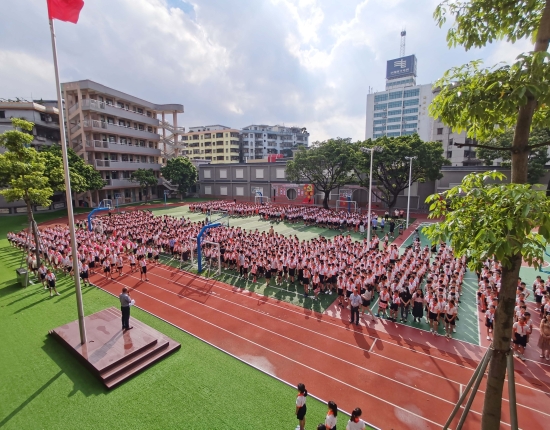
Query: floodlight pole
x=371 y=150
x=409 y=190
x=74 y=246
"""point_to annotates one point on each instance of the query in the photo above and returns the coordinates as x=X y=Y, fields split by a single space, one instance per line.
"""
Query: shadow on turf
x=83 y=381
x=30 y=399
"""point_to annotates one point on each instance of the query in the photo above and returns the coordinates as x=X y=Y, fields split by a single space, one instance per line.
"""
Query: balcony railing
x=118 y=146
x=130 y=165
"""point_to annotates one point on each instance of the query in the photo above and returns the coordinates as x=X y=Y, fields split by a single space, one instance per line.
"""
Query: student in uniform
x=451 y=313
x=119 y=264
x=84 y=273
x=143 y=268
x=383 y=302
x=50 y=279
x=355 y=422
x=132 y=259
x=107 y=269
x=520 y=330
x=366 y=299
x=42 y=274
x=301 y=408
x=489 y=320
x=330 y=419
x=418 y=303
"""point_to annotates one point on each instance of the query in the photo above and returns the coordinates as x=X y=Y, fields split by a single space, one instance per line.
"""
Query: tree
x=486 y=102
x=180 y=171
x=537 y=158
x=327 y=165
x=23 y=172
x=82 y=175
x=145 y=178
x=391 y=168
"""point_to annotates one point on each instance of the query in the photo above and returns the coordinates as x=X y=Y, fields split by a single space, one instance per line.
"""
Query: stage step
x=112 y=355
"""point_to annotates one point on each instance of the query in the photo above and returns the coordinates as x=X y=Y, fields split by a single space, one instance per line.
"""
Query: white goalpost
x=261 y=200
x=211 y=257
x=346 y=205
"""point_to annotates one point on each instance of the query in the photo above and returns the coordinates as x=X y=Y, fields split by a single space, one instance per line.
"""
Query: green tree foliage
x=537 y=160
x=486 y=102
x=83 y=175
x=23 y=171
x=391 y=168
x=180 y=171
x=145 y=178
x=327 y=165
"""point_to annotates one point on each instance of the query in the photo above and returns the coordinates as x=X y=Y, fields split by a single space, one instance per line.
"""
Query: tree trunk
x=326 y=199
x=502 y=334
x=32 y=228
x=391 y=203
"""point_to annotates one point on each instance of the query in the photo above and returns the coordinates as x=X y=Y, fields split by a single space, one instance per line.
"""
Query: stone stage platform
x=110 y=354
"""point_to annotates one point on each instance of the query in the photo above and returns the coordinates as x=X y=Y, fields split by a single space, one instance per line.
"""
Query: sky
x=305 y=63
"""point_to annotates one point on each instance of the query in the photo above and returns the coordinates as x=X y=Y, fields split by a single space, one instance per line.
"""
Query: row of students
x=354 y=423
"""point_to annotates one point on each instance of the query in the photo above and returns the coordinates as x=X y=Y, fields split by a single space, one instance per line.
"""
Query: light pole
x=371 y=150
x=409 y=190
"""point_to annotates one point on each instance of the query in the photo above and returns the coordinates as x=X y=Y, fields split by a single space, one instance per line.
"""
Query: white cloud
x=301 y=62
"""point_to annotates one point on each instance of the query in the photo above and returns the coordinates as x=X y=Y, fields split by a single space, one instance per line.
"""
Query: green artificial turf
x=198 y=387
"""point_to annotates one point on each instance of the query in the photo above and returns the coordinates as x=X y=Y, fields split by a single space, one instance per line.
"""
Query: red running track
x=401 y=377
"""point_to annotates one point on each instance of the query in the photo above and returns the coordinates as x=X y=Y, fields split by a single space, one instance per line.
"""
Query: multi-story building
x=402 y=109
x=215 y=143
x=458 y=155
x=119 y=133
x=259 y=141
x=43 y=114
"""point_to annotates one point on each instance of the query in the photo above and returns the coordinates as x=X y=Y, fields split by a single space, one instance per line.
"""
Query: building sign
x=4 y=211
x=42 y=208
x=304 y=193
x=401 y=67
x=58 y=205
x=21 y=210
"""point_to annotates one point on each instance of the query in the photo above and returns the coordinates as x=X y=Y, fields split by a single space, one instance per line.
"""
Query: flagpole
x=80 y=306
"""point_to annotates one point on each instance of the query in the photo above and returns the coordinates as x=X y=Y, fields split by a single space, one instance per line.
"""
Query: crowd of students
x=487 y=300
x=356 y=271
x=309 y=215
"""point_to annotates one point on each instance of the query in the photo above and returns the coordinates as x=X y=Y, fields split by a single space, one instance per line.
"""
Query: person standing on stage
x=301 y=408
x=125 y=301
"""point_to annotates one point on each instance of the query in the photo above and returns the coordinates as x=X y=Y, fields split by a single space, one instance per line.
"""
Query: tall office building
x=402 y=109
x=259 y=141
x=119 y=133
x=214 y=143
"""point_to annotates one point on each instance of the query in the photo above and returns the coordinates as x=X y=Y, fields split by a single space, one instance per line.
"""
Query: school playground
x=400 y=375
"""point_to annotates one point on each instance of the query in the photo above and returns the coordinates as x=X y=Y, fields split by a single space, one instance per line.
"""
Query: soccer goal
x=346 y=205
x=261 y=200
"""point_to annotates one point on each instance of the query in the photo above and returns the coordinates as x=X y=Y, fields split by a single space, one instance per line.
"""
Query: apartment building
x=217 y=144
x=119 y=133
x=45 y=116
x=259 y=141
x=402 y=109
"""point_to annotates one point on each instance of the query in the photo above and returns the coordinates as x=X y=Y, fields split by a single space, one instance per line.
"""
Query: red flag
x=65 y=10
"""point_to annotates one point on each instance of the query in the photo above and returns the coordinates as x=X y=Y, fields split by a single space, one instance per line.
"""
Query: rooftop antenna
x=402 y=47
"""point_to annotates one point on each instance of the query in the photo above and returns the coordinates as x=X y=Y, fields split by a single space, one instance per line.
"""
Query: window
x=394 y=112
x=239 y=191
x=124 y=157
x=380 y=115
x=394 y=134
x=379 y=128
x=207 y=173
x=223 y=191
x=2 y=114
x=207 y=189
x=411 y=125
x=395 y=119
x=449 y=154
x=239 y=174
x=394 y=105
x=439 y=131
x=411 y=93
x=382 y=106
x=379 y=121
x=223 y=173
x=259 y=173
x=256 y=189
x=410 y=118
x=394 y=127
x=280 y=173
x=451 y=142
x=396 y=95
x=380 y=98
x=410 y=110
x=410 y=102
x=376 y=136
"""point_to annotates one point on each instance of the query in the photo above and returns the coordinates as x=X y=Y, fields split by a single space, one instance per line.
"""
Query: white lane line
x=281 y=355
x=372 y=346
